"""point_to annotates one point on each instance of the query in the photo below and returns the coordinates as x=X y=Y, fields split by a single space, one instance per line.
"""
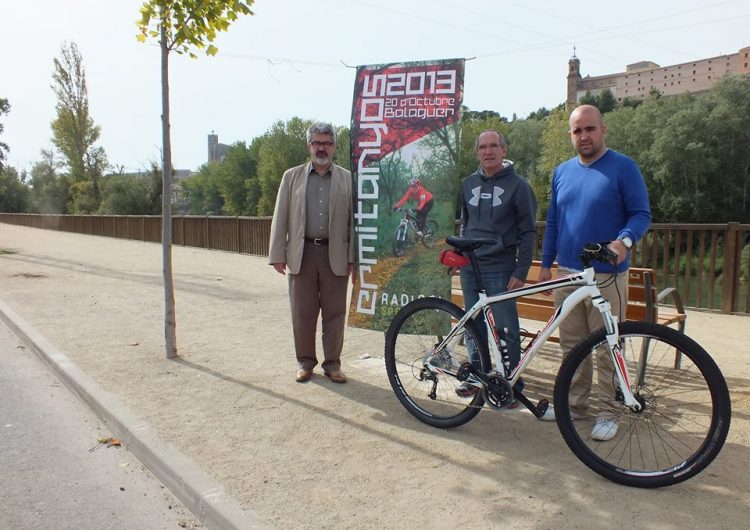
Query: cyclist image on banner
x=424 y=229
x=416 y=191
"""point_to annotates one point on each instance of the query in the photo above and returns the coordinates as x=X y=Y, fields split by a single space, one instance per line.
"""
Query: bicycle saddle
x=468 y=244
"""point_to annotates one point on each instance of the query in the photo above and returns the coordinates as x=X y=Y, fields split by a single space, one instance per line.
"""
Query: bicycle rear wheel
x=430 y=233
x=423 y=378
x=399 y=240
x=685 y=413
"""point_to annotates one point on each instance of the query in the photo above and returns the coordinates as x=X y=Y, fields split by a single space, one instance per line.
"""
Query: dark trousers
x=422 y=214
x=315 y=291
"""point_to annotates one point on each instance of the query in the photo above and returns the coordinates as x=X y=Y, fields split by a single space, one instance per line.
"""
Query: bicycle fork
x=617 y=355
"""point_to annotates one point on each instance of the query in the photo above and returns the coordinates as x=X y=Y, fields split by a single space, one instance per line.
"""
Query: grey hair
x=503 y=141
x=321 y=128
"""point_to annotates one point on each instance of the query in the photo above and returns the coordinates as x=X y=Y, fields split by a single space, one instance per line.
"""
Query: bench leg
x=678 y=353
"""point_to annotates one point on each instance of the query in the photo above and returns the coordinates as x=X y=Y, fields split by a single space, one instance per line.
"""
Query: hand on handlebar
x=619 y=248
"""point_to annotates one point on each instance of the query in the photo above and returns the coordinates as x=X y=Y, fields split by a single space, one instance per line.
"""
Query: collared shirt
x=317 y=197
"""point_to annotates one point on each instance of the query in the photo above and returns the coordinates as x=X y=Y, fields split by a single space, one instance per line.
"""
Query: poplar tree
x=183 y=27
x=74 y=132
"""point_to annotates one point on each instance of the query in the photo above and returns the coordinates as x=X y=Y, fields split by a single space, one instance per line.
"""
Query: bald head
x=587 y=131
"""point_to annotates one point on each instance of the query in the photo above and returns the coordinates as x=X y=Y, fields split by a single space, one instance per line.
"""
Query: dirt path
x=322 y=455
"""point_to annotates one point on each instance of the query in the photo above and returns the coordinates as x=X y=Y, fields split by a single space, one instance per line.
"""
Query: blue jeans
x=504 y=313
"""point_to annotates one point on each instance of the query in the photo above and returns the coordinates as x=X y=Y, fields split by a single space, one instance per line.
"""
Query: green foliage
x=4 y=109
x=14 y=195
x=555 y=149
x=50 y=192
x=189 y=24
x=132 y=194
x=202 y=191
x=539 y=114
x=605 y=101
x=74 y=132
x=283 y=146
x=524 y=146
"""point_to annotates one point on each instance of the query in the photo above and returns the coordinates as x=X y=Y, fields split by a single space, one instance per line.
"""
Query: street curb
x=200 y=493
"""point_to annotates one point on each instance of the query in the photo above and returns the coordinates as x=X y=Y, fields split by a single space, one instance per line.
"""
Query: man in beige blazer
x=312 y=235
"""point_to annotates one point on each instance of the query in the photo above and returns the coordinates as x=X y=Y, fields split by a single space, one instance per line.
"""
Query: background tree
x=555 y=149
x=50 y=192
x=132 y=194
x=180 y=26
x=524 y=143
x=235 y=175
x=14 y=195
x=283 y=146
x=4 y=109
x=74 y=132
x=202 y=190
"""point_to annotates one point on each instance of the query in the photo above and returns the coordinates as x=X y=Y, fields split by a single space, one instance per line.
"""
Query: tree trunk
x=170 y=335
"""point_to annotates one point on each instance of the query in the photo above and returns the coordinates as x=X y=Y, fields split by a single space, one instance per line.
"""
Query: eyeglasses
x=316 y=145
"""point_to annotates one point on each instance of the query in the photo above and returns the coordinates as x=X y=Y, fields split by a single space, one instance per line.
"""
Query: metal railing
x=707 y=263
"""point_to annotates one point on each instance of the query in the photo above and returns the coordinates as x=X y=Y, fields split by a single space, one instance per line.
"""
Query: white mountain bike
x=667 y=395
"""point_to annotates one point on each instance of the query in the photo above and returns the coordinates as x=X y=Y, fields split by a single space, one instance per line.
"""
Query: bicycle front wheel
x=685 y=406
x=423 y=376
x=399 y=240
x=430 y=233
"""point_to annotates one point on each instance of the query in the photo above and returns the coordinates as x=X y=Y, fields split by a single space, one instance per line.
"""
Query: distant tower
x=213 y=144
x=574 y=81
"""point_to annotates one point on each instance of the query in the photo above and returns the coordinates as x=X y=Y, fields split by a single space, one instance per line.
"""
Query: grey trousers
x=317 y=291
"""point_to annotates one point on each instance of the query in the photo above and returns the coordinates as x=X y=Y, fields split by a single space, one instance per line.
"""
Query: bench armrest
x=676 y=298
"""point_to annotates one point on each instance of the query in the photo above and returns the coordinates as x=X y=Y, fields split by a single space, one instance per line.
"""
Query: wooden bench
x=643 y=300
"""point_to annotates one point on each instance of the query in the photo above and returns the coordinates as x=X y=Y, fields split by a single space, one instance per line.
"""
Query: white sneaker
x=549 y=414
x=604 y=430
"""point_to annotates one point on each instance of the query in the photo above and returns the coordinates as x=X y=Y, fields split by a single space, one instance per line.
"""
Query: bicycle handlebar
x=597 y=252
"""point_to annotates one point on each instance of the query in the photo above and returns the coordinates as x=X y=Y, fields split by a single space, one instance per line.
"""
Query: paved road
x=49 y=477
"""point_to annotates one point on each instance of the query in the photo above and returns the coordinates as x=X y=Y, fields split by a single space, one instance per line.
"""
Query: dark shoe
x=337 y=376
x=303 y=375
x=466 y=391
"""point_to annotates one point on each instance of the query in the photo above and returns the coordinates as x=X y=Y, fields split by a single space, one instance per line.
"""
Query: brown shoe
x=337 y=376
x=303 y=375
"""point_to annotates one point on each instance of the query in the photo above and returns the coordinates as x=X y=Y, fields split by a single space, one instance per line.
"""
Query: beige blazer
x=288 y=224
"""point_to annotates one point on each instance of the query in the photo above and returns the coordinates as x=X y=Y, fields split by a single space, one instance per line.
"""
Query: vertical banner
x=404 y=148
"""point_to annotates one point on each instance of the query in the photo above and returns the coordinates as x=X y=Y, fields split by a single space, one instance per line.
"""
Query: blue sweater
x=603 y=201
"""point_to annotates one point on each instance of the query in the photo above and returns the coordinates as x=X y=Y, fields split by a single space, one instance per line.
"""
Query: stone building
x=639 y=78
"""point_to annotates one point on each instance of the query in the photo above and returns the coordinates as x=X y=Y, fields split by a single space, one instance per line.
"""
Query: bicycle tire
x=430 y=233
x=410 y=341
x=684 y=421
x=399 y=240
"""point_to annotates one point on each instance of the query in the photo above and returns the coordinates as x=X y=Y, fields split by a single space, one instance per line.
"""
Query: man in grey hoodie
x=496 y=203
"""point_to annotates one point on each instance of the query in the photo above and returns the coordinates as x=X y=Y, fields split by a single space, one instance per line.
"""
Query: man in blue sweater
x=599 y=195
x=496 y=203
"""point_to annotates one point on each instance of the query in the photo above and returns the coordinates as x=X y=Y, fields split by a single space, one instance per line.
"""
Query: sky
x=296 y=58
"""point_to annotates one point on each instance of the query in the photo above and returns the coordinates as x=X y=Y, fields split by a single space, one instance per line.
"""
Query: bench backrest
x=642 y=296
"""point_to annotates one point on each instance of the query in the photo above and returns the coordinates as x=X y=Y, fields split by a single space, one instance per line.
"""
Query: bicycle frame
x=587 y=288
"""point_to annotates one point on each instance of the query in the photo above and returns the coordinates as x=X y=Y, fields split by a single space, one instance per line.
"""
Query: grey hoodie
x=502 y=207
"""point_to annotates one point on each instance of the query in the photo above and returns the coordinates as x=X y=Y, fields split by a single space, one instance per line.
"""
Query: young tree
x=180 y=26
x=74 y=132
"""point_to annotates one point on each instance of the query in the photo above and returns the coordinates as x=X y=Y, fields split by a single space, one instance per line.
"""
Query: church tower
x=574 y=81
x=213 y=144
